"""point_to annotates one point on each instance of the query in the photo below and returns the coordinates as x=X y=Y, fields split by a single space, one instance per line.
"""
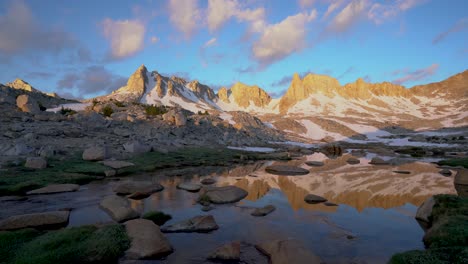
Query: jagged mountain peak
x=21 y=85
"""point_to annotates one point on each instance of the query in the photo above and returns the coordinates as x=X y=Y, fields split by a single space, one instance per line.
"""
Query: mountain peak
x=245 y=94
x=21 y=85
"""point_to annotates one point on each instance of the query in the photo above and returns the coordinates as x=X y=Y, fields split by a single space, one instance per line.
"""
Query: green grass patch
x=107 y=110
x=18 y=180
x=157 y=217
x=454 y=162
x=153 y=110
x=86 y=244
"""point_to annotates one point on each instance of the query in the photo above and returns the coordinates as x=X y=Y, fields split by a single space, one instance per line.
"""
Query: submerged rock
x=55 y=188
x=264 y=210
x=147 y=240
x=47 y=220
x=287 y=251
x=445 y=172
x=462 y=177
x=200 y=224
x=229 y=251
x=402 y=172
x=221 y=195
x=119 y=208
x=378 y=161
x=315 y=163
x=353 y=161
x=208 y=181
x=286 y=170
x=314 y=199
x=138 y=190
x=425 y=210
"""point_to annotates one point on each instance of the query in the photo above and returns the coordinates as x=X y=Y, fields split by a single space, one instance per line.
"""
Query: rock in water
x=314 y=199
x=95 y=153
x=287 y=251
x=226 y=194
x=445 y=172
x=208 y=181
x=353 y=161
x=264 y=210
x=27 y=104
x=378 y=161
x=55 y=219
x=36 y=163
x=55 y=188
x=119 y=208
x=200 y=224
x=425 y=210
x=229 y=251
x=147 y=240
x=138 y=190
x=462 y=177
x=191 y=187
x=315 y=163
x=286 y=170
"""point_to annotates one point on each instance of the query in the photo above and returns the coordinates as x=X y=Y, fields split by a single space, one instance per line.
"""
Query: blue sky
x=86 y=48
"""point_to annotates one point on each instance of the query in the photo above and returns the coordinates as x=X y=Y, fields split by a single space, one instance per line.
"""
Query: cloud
x=126 y=36
x=91 y=81
x=220 y=11
x=280 y=40
x=278 y=94
x=39 y=75
x=184 y=15
x=378 y=13
x=154 y=39
x=348 y=16
x=210 y=42
x=332 y=7
x=411 y=76
x=306 y=3
x=461 y=25
x=21 y=34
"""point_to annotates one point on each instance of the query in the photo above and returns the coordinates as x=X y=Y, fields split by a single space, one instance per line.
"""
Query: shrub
x=154 y=110
x=41 y=107
x=203 y=113
x=157 y=217
x=119 y=104
x=67 y=111
x=95 y=102
x=107 y=111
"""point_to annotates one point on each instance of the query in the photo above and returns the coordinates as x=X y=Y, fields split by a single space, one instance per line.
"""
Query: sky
x=87 y=48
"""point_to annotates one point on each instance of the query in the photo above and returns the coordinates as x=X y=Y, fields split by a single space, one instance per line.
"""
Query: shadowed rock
x=264 y=210
x=200 y=224
x=226 y=194
x=147 y=240
x=315 y=163
x=118 y=208
x=117 y=164
x=45 y=220
x=353 y=161
x=287 y=251
x=36 y=163
x=95 y=153
x=378 y=161
x=229 y=251
x=138 y=190
x=286 y=170
x=191 y=187
x=314 y=199
x=55 y=188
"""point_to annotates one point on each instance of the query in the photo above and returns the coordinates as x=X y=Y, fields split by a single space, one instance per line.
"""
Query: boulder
x=286 y=170
x=287 y=251
x=445 y=172
x=180 y=119
x=402 y=172
x=229 y=251
x=315 y=163
x=136 y=147
x=110 y=173
x=425 y=210
x=191 y=187
x=55 y=188
x=147 y=240
x=138 y=189
x=36 y=163
x=117 y=164
x=200 y=224
x=47 y=220
x=264 y=210
x=119 y=208
x=462 y=177
x=353 y=161
x=330 y=204
x=378 y=161
x=27 y=104
x=95 y=153
x=221 y=195
x=314 y=199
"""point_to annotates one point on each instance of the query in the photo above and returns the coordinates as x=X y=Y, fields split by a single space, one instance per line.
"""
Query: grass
x=67 y=111
x=157 y=217
x=153 y=110
x=18 y=180
x=447 y=240
x=455 y=162
x=85 y=244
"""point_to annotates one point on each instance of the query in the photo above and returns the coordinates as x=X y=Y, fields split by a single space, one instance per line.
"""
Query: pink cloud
x=461 y=25
x=420 y=74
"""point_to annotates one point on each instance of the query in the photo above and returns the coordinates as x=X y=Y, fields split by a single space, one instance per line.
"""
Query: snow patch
x=253 y=149
x=72 y=106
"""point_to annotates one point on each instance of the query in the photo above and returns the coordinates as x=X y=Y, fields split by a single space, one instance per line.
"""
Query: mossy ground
x=447 y=240
x=455 y=162
x=86 y=244
x=18 y=179
x=157 y=217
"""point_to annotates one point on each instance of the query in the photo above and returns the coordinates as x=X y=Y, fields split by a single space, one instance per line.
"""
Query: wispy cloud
x=348 y=71
x=154 y=39
x=185 y=15
x=461 y=25
x=126 y=37
x=378 y=12
x=210 y=42
x=348 y=16
x=416 y=75
x=306 y=3
x=91 y=81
